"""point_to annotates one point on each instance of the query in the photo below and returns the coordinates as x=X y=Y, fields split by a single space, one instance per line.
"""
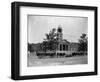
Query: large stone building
x=65 y=47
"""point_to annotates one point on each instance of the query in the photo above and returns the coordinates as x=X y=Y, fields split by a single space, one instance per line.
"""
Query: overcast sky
x=73 y=27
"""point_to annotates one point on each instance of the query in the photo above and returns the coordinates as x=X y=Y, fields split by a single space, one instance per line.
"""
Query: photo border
x=15 y=40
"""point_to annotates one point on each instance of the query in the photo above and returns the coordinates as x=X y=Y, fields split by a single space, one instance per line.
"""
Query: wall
x=5 y=40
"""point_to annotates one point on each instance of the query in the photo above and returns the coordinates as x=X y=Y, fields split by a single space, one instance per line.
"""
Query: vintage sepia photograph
x=57 y=40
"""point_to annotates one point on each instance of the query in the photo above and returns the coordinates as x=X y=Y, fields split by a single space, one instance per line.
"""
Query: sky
x=72 y=27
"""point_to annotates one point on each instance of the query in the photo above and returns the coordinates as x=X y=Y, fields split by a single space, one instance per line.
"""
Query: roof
x=74 y=44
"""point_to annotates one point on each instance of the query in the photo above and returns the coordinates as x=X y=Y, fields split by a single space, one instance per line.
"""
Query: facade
x=65 y=47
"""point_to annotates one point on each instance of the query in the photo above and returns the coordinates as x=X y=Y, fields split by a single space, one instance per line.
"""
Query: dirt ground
x=35 y=61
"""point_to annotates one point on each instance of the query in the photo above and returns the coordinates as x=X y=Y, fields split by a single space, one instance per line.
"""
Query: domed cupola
x=59 y=29
x=59 y=33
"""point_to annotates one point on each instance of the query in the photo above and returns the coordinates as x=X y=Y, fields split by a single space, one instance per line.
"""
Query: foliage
x=50 y=42
x=83 y=43
x=30 y=49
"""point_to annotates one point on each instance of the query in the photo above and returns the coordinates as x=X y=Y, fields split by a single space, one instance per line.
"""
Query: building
x=65 y=47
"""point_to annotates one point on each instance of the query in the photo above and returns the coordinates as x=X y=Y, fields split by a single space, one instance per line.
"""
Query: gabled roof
x=64 y=41
x=74 y=44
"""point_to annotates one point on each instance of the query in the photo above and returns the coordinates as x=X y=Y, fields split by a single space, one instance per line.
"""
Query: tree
x=83 y=43
x=51 y=35
x=50 y=42
x=30 y=47
x=44 y=46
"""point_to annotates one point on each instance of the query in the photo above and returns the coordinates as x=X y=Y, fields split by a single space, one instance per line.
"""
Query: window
x=66 y=47
x=60 y=47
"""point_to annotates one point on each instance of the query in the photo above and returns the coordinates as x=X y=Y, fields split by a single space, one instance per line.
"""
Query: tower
x=59 y=33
